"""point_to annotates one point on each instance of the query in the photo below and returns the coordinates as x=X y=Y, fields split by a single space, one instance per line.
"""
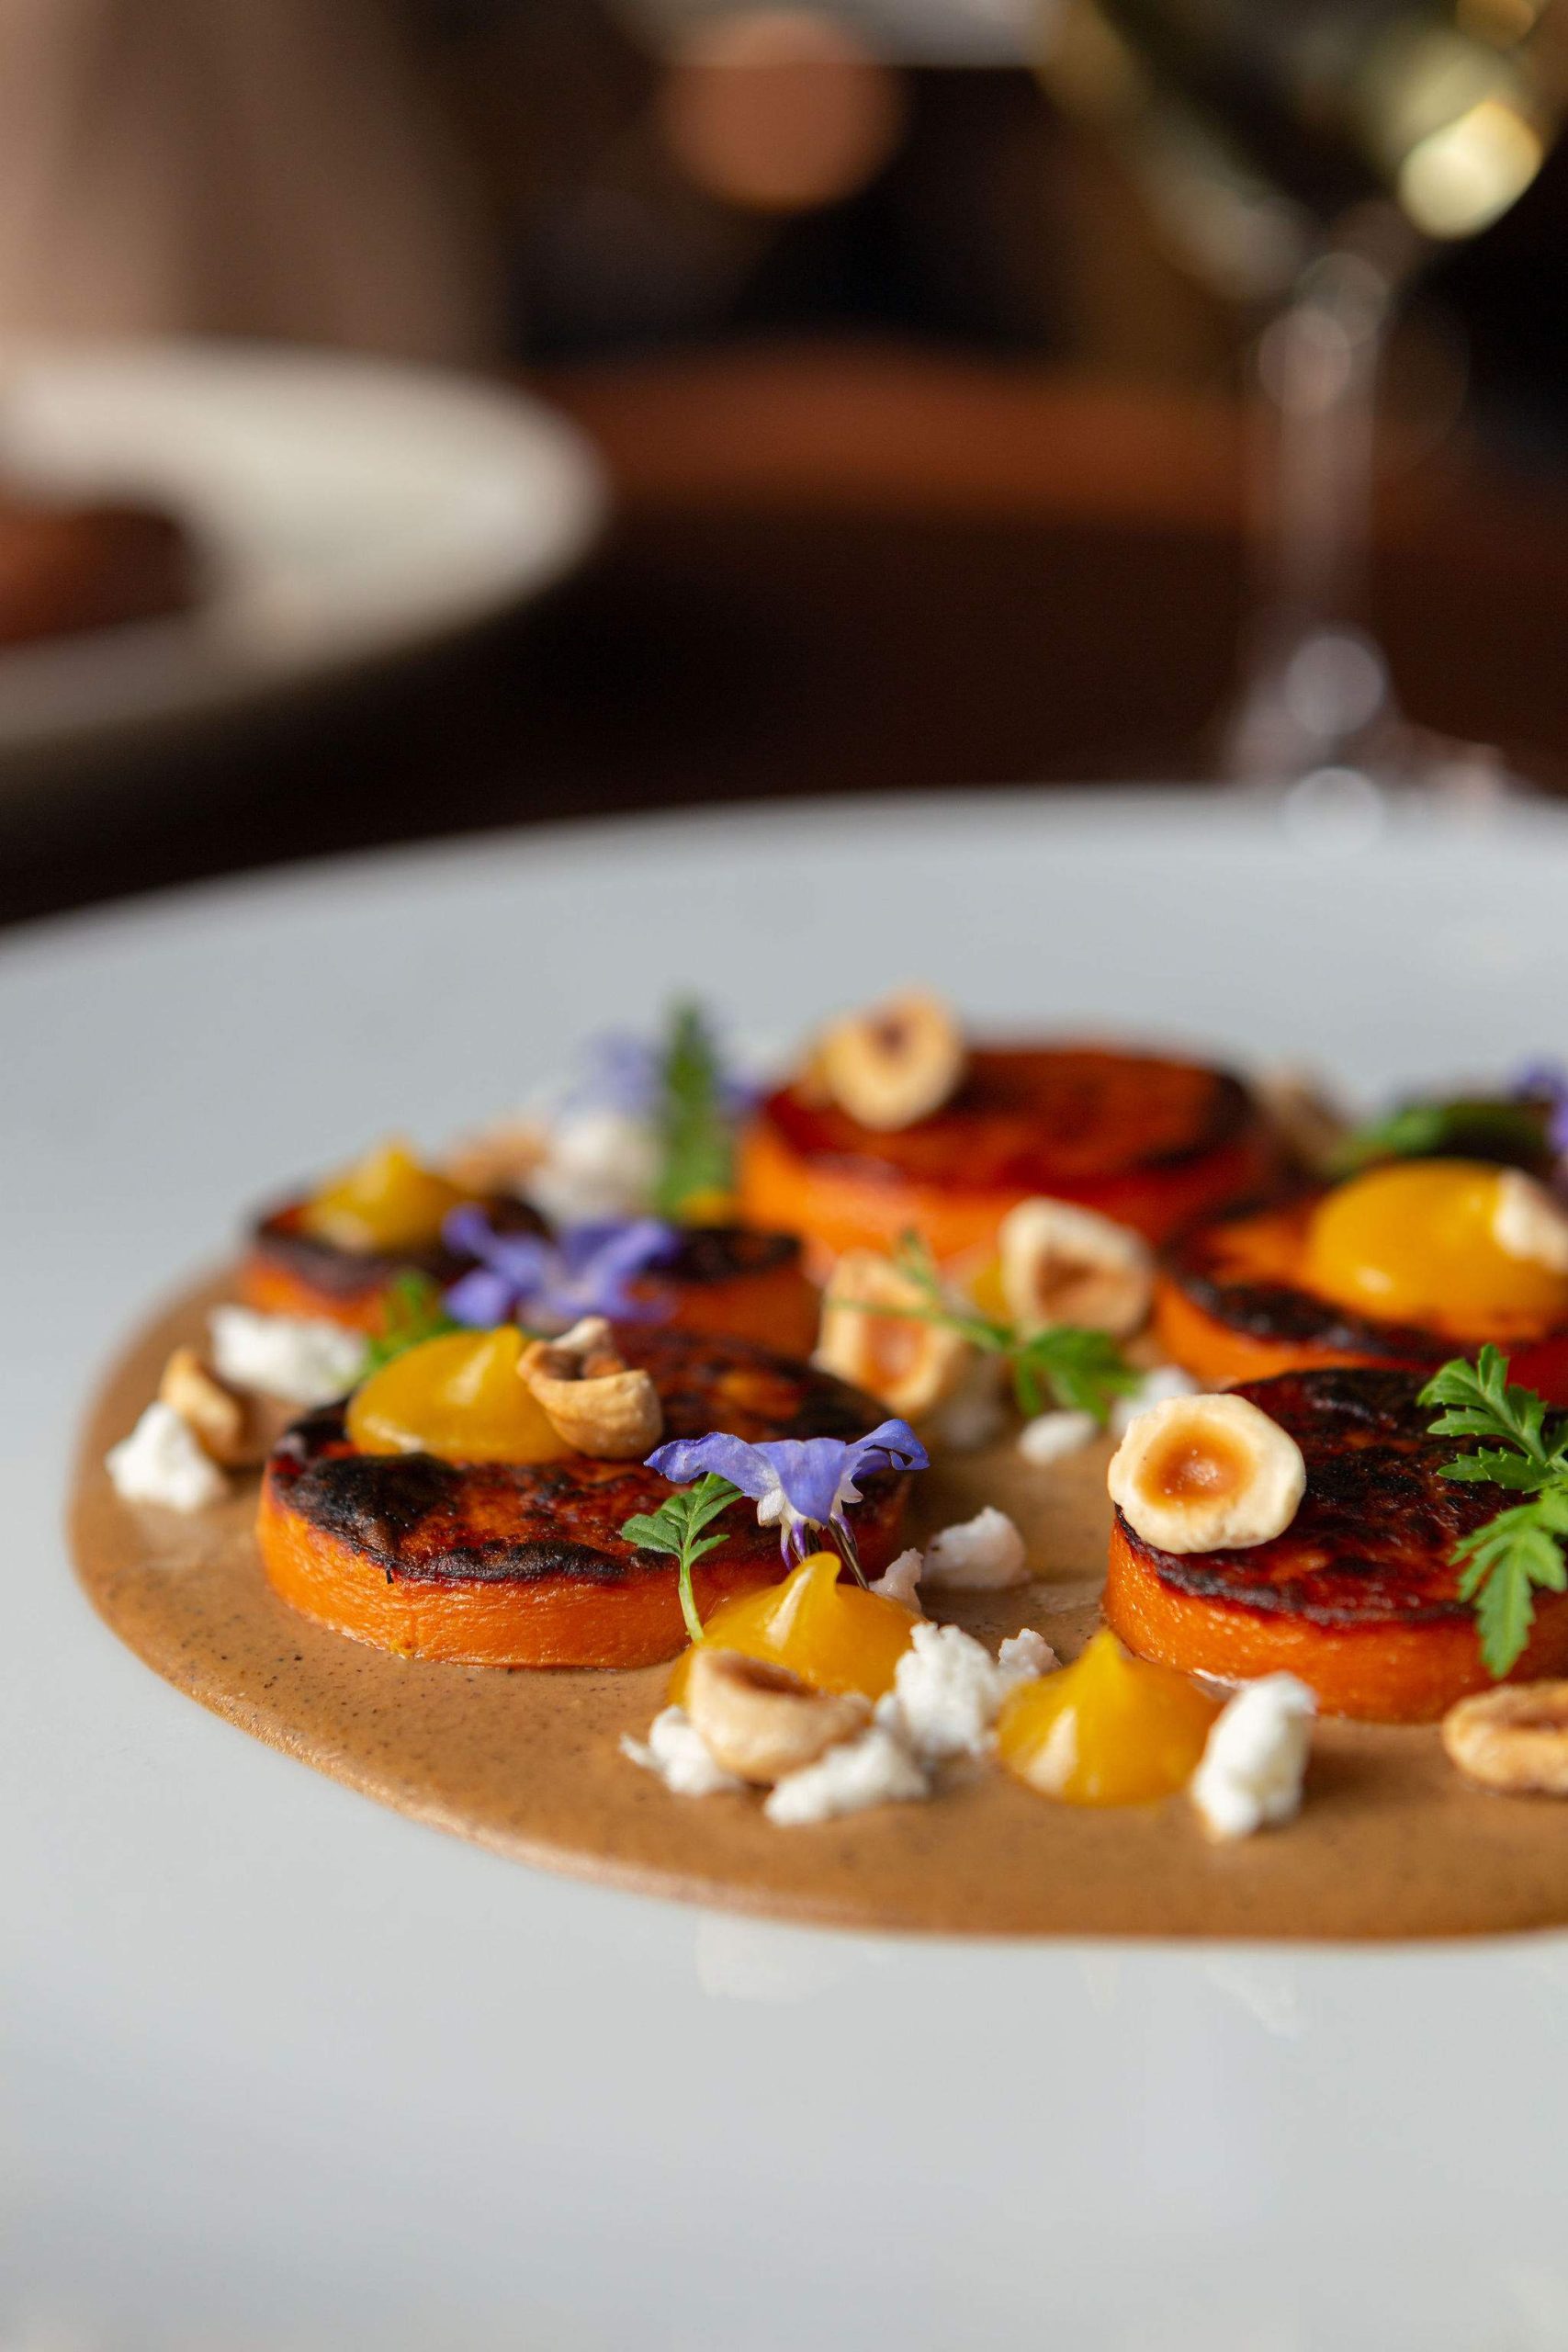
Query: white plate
x=350 y=509
x=285 y=2070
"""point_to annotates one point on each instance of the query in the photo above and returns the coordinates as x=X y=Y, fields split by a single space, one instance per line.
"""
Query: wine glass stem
x=1316 y=689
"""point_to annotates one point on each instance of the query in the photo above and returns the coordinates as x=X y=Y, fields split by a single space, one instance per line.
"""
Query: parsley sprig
x=1064 y=1365
x=677 y=1527
x=412 y=1312
x=1518 y=1552
x=697 y=1131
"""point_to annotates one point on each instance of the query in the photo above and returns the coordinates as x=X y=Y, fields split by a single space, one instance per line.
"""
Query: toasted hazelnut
x=761 y=1722
x=1207 y=1474
x=1065 y=1264
x=893 y=1064
x=1529 y=1223
x=219 y=1418
x=593 y=1399
x=1514 y=1739
x=498 y=1159
x=912 y=1367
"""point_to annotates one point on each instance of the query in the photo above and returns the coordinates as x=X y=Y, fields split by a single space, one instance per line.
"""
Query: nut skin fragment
x=1513 y=1740
x=893 y=1064
x=760 y=1722
x=1529 y=1224
x=498 y=1159
x=218 y=1418
x=912 y=1367
x=1207 y=1474
x=1065 y=1264
x=597 y=1404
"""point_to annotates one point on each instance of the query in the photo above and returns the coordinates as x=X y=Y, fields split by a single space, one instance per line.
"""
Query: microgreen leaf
x=412 y=1312
x=1513 y=1132
x=1519 y=1550
x=695 y=1123
x=1081 y=1370
x=677 y=1526
x=1064 y=1363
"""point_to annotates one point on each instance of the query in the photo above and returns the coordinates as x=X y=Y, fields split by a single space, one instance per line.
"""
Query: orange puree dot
x=386 y=1201
x=1415 y=1243
x=831 y=1632
x=459 y=1397
x=1110 y=1729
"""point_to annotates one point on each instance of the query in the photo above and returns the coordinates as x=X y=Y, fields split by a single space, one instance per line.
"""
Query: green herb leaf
x=1082 y=1371
x=1065 y=1364
x=1519 y=1550
x=1511 y=1133
x=677 y=1526
x=412 y=1313
x=695 y=1129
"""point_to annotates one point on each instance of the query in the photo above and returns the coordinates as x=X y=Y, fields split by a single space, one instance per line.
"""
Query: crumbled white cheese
x=598 y=1164
x=676 y=1751
x=294 y=1357
x=1051 y=1437
x=948 y=1689
x=973 y=1415
x=1024 y=1656
x=983 y=1553
x=902 y=1582
x=1254 y=1757
x=161 y=1462
x=875 y=1769
x=1167 y=1380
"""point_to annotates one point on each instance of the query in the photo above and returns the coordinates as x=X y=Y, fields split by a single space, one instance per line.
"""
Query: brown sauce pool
x=1392 y=1842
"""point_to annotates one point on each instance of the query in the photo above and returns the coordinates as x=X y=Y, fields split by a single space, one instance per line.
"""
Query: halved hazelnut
x=1529 y=1223
x=1207 y=1474
x=1514 y=1740
x=216 y=1416
x=1065 y=1264
x=867 y=1339
x=1309 y=1121
x=596 y=1403
x=893 y=1064
x=759 y=1720
x=498 y=1159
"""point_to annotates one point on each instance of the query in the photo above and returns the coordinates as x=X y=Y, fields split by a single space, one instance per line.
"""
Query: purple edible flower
x=549 y=1286
x=796 y=1483
x=623 y=1073
x=630 y=1074
x=1547 y=1082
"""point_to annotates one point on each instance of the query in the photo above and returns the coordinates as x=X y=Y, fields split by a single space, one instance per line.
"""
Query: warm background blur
x=925 y=429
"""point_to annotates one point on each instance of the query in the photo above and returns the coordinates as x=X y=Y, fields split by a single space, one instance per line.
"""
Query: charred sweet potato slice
x=725 y=1279
x=738 y=1281
x=1148 y=1141
x=1358 y=1596
x=1230 y=1305
x=496 y=1564
x=289 y=1271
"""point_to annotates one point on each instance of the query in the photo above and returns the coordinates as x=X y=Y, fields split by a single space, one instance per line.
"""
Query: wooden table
x=838 y=570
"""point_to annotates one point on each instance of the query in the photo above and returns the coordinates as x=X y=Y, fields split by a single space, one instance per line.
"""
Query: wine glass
x=1310 y=154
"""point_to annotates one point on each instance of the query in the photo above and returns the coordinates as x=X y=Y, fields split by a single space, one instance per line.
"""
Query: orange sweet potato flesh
x=1358 y=1596
x=1148 y=1141
x=1230 y=1307
x=501 y=1564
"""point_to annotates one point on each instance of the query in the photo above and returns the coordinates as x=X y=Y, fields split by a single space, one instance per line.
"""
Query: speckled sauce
x=1391 y=1843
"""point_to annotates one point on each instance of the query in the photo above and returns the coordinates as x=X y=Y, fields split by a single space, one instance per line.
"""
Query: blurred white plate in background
x=282 y=2072
x=350 y=509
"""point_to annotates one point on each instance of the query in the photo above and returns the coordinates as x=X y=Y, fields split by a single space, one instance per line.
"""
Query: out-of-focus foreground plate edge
x=282 y=2069
x=348 y=511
